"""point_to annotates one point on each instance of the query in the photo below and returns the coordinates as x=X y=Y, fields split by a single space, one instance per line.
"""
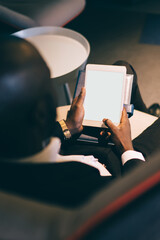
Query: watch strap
x=66 y=132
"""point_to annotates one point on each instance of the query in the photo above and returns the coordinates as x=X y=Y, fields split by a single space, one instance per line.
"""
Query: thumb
x=110 y=124
x=81 y=96
x=124 y=117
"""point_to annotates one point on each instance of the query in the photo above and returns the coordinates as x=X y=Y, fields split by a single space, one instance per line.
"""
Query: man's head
x=28 y=105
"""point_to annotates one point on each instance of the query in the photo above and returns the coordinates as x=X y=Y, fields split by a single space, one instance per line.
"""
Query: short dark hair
x=24 y=80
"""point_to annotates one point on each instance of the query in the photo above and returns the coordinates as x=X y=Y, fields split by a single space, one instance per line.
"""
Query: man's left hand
x=76 y=114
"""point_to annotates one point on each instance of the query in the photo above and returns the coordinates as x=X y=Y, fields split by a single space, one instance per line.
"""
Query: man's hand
x=121 y=134
x=76 y=114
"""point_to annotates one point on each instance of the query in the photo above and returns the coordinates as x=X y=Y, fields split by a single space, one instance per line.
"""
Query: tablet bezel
x=106 y=68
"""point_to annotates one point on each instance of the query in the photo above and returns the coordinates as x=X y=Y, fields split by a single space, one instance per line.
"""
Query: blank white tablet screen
x=104 y=95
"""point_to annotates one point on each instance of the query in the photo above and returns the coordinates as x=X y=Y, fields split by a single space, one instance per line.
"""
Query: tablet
x=104 y=94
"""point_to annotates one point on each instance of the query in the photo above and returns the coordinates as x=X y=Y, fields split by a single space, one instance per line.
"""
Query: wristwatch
x=66 y=132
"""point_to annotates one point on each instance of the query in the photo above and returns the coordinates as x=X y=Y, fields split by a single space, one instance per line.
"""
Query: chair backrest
x=124 y=209
x=129 y=209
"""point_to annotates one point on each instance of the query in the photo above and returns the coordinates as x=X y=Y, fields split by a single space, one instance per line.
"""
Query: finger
x=109 y=124
x=76 y=98
x=102 y=133
x=81 y=97
x=104 y=137
x=105 y=133
x=124 y=116
x=74 y=101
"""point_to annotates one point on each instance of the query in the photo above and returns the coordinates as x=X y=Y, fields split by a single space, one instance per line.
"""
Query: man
x=29 y=161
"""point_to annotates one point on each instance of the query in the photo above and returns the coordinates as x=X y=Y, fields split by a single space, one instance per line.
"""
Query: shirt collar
x=48 y=154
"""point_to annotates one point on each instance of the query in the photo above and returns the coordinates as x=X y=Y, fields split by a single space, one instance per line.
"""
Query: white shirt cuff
x=131 y=154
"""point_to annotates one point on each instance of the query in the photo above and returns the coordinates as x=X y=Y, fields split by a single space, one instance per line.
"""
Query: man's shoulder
x=70 y=168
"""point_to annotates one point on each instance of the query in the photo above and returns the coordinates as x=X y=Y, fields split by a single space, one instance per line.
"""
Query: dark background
x=122 y=29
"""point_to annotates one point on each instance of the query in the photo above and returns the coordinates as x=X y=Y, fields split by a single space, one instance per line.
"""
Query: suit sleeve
x=131 y=164
x=131 y=159
x=58 y=132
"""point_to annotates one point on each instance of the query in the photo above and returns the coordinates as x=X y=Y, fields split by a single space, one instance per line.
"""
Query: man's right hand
x=121 y=134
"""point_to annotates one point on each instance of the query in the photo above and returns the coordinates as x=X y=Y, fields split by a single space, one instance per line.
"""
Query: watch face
x=67 y=134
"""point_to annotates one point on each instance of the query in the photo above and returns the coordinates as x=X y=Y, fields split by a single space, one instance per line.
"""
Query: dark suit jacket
x=68 y=184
